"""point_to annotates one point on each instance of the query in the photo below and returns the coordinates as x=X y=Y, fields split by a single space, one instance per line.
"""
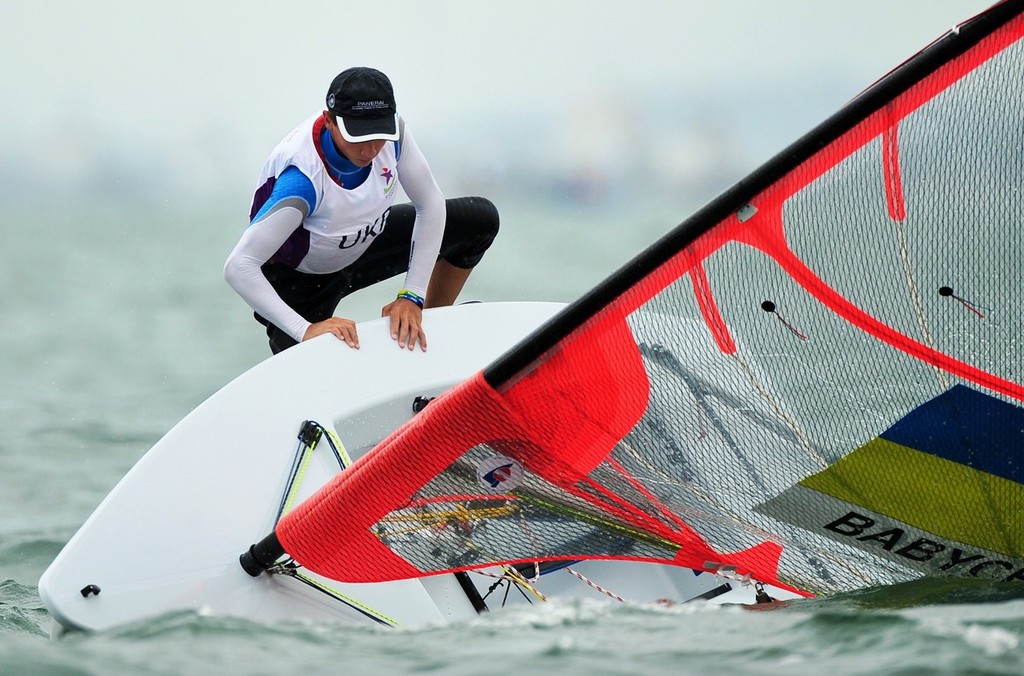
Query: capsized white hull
x=168 y=537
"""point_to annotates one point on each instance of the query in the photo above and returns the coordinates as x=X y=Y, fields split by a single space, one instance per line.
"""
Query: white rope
x=597 y=586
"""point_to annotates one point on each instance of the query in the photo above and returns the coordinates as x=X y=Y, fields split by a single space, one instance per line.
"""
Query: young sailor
x=324 y=222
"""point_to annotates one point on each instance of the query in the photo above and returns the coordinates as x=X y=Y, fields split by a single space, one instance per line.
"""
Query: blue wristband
x=409 y=295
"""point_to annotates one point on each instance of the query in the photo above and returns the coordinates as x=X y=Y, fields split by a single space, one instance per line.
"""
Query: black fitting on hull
x=261 y=555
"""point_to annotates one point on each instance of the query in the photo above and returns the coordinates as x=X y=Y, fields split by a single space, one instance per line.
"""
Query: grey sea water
x=116 y=323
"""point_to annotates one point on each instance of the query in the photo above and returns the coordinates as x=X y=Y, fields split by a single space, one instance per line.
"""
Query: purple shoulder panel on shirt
x=261 y=196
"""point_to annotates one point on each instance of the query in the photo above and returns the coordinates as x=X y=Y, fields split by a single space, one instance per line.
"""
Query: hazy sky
x=214 y=85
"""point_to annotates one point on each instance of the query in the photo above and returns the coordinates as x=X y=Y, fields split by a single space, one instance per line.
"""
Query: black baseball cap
x=364 y=102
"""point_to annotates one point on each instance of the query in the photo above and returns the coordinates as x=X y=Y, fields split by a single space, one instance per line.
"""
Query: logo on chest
x=389 y=180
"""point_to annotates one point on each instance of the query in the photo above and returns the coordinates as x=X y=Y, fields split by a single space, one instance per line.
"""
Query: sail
x=815 y=381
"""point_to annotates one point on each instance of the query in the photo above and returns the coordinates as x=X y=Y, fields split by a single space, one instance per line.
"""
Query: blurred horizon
x=594 y=104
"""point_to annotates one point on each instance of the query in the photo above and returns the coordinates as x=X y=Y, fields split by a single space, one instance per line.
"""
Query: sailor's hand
x=344 y=329
x=406 y=323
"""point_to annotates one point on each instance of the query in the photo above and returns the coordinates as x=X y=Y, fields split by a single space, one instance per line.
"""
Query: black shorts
x=470 y=227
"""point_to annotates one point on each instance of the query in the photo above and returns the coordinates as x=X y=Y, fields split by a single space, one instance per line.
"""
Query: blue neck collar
x=350 y=175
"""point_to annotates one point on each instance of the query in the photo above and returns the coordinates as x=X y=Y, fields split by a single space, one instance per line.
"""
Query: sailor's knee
x=481 y=213
x=472 y=225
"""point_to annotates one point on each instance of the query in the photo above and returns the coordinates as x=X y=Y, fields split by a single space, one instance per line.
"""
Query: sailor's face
x=359 y=154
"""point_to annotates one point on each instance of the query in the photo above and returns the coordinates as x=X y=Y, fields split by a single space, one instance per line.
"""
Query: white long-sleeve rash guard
x=269 y=231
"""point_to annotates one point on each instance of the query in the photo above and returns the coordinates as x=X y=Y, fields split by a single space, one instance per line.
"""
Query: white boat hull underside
x=169 y=535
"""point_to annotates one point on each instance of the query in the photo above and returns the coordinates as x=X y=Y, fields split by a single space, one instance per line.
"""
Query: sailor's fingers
x=341 y=328
x=406 y=323
x=413 y=335
x=347 y=332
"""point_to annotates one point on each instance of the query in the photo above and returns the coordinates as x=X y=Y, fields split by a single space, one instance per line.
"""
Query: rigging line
x=594 y=585
x=503 y=583
x=302 y=461
x=670 y=480
x=513 y=575
x=601 y=502
x=631 y=513
x=652 y=499
x=696 y=489
x=309 y=437
x=340 y=454
x=508 y=583
x=337 y=596
x=432 y=520
x=299 y=463
x=608 y=502
x=458 y=513
x=298 y=482
x=535 y=542
x=523 y=583
x=595 y=498
x=648 y=538
x=630 y=530
x=536 y=573
x=814 y=555
x=915 y=300
x=900 y=227
x=776 y=405
x=522 y=592
x=510 y=571
x=421 y=501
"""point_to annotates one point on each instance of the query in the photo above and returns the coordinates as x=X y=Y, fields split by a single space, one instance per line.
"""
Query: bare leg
x=446 y=281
